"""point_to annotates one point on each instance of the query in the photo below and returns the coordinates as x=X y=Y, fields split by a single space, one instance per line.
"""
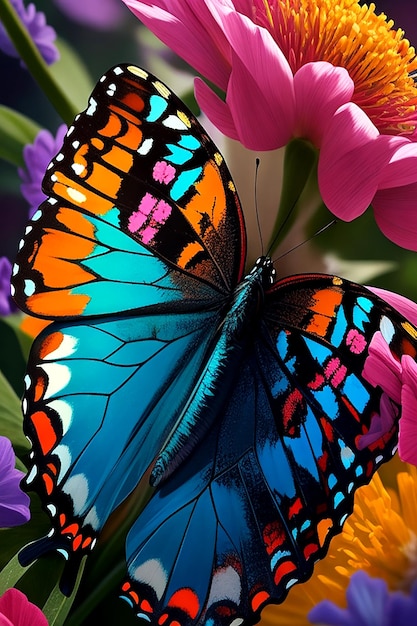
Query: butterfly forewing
x=136 y=177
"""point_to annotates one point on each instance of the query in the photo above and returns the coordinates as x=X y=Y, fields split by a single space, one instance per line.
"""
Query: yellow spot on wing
x=163 y=90
x=138 y=71
x=184 y=118
x=410 y=329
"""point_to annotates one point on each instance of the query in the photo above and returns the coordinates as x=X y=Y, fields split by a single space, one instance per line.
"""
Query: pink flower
x=16 y=610
x=309 y=69
x=397 y=378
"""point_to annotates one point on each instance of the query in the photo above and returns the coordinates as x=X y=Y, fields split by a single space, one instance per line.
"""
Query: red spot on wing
x=283 y=570
x=259 y=599
x=295 y=508
x=44 y=430
x=187 y=601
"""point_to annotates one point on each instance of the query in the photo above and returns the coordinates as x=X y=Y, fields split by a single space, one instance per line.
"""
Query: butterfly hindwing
x=139 y=196
x=275 y=480
x=97 y=382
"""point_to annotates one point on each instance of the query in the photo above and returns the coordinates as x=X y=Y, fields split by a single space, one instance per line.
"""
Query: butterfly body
x=235 y=337
x=245 y=398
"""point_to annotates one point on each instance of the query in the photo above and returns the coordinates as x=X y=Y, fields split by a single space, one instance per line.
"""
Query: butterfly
x=243 y=397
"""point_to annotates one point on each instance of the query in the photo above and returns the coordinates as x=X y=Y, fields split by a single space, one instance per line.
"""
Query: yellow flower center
x=378 y=58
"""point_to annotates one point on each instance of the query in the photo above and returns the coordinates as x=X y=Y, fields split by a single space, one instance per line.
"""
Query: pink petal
x=216 y=110
x=15 y=606
x=352 y=159
x=407 y=445
x=320 y=89
x=260 y=92
x=381 y=369
x=402 y=168
x=396 y=214
x=190 y=30
x=381 y=424
x=403 y=305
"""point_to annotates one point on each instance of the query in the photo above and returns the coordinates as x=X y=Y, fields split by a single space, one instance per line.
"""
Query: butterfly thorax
x=218 y=374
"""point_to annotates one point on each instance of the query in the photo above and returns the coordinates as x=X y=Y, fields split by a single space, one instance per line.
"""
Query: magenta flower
x=398 y=380
x=16 y=610
x=309 y=69
x=42 y=34
x=14 y=504
x=369 y=603
x=37 y=157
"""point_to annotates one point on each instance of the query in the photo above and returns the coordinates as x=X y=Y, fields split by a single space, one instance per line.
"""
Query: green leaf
x=11 y=574
x=58 y=606
x=11 y=418
x=16 y=130
x=72 y=75
x=15 y=346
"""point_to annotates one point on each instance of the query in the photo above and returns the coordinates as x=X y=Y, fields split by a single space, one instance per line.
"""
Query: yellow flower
x=346 y=34
x=379 y=537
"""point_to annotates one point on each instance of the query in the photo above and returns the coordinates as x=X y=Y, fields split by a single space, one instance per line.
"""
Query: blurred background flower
x=41 y=33
x=14 y=504
x=37 y=157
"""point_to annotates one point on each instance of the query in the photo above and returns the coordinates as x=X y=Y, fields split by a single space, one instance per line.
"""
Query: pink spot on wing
x=163 y=172
x=335 y=372
x=149 y=217
x=356 y=341
x=148 y=234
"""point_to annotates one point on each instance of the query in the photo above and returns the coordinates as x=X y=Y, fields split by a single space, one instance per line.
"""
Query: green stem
x=300 y=172
x=35 y=63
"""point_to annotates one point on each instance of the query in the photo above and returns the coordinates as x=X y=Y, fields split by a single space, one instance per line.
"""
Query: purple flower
x=14 y=504
x=369 y=603
x=37 y=157
x=42 y=34
x=99 y=14
x=6 y=303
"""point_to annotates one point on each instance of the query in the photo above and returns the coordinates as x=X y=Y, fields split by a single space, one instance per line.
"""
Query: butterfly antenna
x=257 y=163
x=298 y=245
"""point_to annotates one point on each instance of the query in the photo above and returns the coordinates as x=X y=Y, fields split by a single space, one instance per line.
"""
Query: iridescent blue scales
x=243 y=397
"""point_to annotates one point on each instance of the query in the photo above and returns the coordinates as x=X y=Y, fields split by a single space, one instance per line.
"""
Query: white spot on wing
x=64 y=455
x=78 y=168
x=32 y=475
x=66 y=348
x=226 y=585
x=173 y=121
x=64 y=411
x=92 y=107
x=77 y=488
x=146 y=146
x=92 y=518
x=58 y=378
x=153 y=574
x=29 y=287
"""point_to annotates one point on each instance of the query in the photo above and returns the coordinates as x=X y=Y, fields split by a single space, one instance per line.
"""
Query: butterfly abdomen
x=219 y=371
